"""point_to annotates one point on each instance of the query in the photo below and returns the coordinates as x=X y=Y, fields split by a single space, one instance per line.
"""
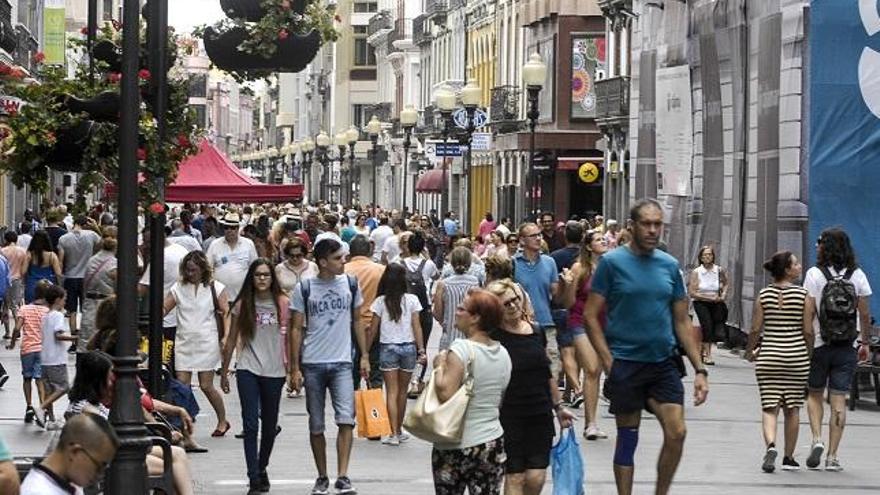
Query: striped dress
x=455 y=289
x=783 y=363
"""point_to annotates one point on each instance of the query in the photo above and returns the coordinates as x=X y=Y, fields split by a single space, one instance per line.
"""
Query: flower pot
x=293 y=55
x=70 y=146
x=252 y=11
x=110 y=54
x=103 y=107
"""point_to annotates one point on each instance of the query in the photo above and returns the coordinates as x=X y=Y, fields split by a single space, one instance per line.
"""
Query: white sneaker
x=403 y=437
x=391 y=440
x=54 y=425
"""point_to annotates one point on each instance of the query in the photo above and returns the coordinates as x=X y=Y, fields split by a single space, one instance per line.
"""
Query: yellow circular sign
x=588 y=172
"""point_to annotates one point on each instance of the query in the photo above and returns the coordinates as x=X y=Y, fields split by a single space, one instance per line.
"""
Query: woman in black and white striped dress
x=783 y=354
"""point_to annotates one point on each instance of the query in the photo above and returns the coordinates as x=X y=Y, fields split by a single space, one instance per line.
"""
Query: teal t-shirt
x=639 y=292
x=5 y=455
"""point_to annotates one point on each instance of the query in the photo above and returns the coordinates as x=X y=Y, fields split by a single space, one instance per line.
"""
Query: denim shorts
x=317 y=379
x=832 y=366
x=565 y=338
x=30 y=365
x=630 y=384
x=394 y=357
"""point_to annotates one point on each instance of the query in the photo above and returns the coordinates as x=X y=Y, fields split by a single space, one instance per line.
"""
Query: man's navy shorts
x=630 y=384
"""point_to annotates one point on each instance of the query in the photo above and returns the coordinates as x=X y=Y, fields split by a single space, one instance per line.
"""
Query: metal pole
x=157 y=28
x=351 y=174
x=375 y=140
x=444 y=190
x=406 y=144
x=128 y=472
x=533 y=118
x=468 y=162
x=90 y=37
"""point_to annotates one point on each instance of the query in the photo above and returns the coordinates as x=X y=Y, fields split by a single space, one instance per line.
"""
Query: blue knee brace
x=625 y=449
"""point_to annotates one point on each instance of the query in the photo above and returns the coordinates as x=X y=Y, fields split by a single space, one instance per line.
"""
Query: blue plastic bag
x=568 y=465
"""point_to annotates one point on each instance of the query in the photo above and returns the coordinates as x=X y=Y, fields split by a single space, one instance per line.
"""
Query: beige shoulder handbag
x=442 y=423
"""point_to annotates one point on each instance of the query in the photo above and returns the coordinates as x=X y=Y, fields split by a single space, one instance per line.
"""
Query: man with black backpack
x=841 y=318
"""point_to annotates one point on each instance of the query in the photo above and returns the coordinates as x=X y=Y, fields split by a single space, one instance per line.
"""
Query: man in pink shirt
x=17 y=258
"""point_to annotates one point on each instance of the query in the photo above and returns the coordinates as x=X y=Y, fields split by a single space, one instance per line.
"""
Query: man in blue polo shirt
x=537 y=274
x=643 y=293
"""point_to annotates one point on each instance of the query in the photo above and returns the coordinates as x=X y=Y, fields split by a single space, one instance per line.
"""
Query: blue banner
x=844 y=119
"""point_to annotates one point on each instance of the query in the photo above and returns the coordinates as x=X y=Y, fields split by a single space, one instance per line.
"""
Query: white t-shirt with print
x=231 y=264
x=815 y=282
x=396 y=332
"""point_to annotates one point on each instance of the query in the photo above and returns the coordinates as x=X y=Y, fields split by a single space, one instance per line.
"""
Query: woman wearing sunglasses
x=531 y=397
x=295 y=268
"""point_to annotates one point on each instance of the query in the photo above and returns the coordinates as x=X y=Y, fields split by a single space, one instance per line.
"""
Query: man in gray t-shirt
x=74 y=250
x=323 y=356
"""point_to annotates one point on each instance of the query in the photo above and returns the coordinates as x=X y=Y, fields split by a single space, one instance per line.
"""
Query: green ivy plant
x=31 y=132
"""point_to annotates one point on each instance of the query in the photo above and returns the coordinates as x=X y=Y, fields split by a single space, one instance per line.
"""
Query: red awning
x=210 y=177
x=430 y=182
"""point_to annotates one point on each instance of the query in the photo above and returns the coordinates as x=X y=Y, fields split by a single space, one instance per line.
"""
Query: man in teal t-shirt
x=643 y=292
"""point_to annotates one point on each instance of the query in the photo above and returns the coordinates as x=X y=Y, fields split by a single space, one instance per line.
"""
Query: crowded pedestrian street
x=448 y=247
x=722 y=452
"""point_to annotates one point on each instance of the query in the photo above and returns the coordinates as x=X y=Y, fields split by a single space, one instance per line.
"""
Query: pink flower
x=157 y=208
x=283 y=34
x=141 y=154
x=114 y=77
x=84 y=31
x=285 y=4
x=183 y=141
x=39 y=57
x=144 y=74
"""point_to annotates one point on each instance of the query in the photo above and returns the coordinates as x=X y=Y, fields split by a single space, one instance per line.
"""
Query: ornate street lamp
x=352 y=135
x=534 y=73
x=444 y=100
x=408 y=119
x=471 y=95
x=295 y=150
x=374 y=127
x=322 y=141
x=308 y=147
x=341 y=142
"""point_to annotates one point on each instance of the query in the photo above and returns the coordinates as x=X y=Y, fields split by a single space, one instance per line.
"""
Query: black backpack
x=838 y=308
x=415 y=283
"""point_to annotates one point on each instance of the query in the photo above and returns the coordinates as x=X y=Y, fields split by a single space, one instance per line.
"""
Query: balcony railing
x=402 y=31
x=379 y=22
x=421 y=30
x=26 y=47
x=504 y=110
x=436 y=8
x=612 y=98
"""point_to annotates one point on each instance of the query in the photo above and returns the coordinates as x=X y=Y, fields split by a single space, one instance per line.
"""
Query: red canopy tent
x=210 y=177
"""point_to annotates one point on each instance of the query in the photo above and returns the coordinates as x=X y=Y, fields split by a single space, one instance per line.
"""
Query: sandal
x=195 y=449
x=708 y=361
x=221 y=433
x=415 y=390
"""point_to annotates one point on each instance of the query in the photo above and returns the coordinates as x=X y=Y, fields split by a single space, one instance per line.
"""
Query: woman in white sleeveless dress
x=197 y=341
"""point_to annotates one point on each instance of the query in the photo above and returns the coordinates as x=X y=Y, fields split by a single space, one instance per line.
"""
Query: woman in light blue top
x=477 y=461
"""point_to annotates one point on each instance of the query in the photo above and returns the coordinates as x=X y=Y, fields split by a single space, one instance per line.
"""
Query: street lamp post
x=534 y=73
x=341 y=142
x=128 y=472
x=471 y=95
x=295 y=150
x=272 y=155
x=444 y=98
x=374 y=127
x=408 y=119
x=352 y=134
x=308 y=147
x=322 y=141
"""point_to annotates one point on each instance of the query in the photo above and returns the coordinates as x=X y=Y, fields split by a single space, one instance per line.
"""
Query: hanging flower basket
x=71 y=124
x=265 y=36
x=291 y=54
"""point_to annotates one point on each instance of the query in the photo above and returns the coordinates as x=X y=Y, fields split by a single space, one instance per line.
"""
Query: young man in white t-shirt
x=53 y=357
x=833 y=364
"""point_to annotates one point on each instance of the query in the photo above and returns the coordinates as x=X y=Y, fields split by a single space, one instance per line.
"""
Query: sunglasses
x=512 y=241
x=262 y=275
